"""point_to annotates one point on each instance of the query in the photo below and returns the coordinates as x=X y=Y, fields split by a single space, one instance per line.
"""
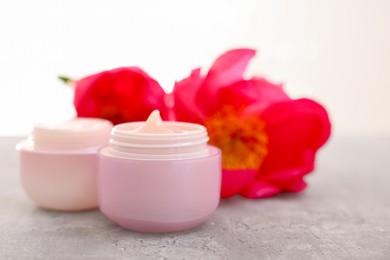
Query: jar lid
x=76 y=132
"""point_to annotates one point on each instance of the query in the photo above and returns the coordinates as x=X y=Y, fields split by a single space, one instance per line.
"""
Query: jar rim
x=186 y=141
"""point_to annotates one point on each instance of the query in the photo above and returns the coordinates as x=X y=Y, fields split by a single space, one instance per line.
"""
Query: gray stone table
x=344 y=214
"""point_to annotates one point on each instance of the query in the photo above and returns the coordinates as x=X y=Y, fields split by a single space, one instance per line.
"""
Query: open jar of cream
x=159 y=176
x=58 y=163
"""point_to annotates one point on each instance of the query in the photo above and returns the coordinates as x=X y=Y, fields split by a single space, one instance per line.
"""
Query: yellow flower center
x=242 y=140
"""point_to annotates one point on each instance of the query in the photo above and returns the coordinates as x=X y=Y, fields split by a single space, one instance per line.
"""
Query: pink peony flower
x=119 y=95
x=268 y=140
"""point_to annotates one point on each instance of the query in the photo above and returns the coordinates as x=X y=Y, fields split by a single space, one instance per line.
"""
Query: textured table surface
x=345 y=213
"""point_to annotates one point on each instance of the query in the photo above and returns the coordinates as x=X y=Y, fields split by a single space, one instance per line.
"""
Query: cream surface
x=155 y=139
x=154 y=125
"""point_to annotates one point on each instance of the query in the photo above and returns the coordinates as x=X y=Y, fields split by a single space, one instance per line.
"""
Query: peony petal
x=307 y=123
x=296 y=130
x=258 y=93
x=184 y=94
x=259 y=189
x=304 y=160
x=83 y=87
x=226 y=70
x=297 y=186
x=119 y=95
x=234 y=180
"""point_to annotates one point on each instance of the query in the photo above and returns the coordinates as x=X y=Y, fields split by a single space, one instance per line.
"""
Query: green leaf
x=65 y=79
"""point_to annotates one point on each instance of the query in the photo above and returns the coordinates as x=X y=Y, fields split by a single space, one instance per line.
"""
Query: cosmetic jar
x=58 y=163
x=159 y=176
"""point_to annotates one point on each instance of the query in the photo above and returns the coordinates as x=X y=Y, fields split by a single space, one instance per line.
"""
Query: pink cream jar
x=159 y=176
x=58 y=163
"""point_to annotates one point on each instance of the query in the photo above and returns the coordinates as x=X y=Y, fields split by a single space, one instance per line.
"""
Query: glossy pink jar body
x=60 y=181
x=159 y=182
x=159 y=195
x=58 y=163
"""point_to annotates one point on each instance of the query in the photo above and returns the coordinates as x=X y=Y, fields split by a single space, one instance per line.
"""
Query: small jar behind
x=57 y=163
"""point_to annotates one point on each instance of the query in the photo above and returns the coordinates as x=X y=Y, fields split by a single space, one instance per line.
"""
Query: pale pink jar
x=58 y=163
x=159 y=181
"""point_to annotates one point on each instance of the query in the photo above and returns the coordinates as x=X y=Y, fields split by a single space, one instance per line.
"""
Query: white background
x=335 y=51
